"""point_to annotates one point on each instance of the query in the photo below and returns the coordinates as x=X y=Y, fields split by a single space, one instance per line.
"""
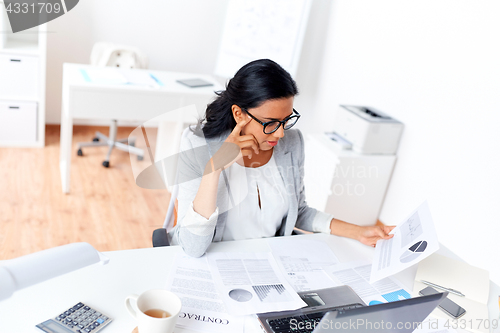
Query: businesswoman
x=241 y=169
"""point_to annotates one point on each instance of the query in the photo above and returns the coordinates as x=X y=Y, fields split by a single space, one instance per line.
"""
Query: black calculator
x=80 y=318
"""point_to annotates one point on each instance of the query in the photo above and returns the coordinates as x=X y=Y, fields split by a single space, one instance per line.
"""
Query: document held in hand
x=414 y=240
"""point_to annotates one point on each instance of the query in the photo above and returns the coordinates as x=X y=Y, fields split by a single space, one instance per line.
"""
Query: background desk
x=87 y=100
x=134 y=271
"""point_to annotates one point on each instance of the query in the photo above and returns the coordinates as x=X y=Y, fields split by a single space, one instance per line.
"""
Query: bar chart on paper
x=251 y=283
x=271 y=293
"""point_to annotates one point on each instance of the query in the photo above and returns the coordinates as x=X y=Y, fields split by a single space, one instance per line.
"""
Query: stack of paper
x=357 y=276
x=202 y=307
x=103 y=76
x=251 y=283
x=141 y=78
x=112 y=76
x=471 y=281
x=304 y=262
x=219 y=289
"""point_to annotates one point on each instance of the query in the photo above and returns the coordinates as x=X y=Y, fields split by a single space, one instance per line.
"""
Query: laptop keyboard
x=304 y=323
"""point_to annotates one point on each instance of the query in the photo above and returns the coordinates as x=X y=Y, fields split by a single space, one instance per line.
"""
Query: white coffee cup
x=155 y=299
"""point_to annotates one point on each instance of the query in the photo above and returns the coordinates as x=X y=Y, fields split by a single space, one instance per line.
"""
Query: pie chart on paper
x=413 y=252
x=240 y=295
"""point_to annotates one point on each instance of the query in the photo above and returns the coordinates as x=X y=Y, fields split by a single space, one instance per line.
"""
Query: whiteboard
x=257 y=29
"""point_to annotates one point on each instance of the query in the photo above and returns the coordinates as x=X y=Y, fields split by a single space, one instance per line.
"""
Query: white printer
x=370 y=131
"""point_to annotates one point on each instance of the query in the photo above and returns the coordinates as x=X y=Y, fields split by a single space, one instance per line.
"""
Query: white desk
x=87 y=100
x=134 y=271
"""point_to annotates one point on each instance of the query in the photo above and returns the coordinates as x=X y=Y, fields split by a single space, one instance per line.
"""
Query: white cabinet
x=18 y=121
x=22 y=84
x=19 y=76
x=348 y=185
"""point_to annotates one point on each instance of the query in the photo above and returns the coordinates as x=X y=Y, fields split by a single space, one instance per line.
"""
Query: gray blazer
x=196 y=151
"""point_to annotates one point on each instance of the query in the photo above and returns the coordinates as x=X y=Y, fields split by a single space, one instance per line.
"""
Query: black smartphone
x=447 y=305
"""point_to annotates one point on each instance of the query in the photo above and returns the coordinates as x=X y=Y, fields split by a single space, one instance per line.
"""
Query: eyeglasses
x=273 y=125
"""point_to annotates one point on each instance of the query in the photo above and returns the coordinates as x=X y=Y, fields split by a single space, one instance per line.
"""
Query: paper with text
x=103 y=76
x=252 y=283
x=140 y=78
x=356 y=275
x=304 y=262
x=202 y=308
x=414 y=240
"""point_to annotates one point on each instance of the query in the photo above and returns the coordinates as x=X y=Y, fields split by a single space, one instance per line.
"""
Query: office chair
x=107 y=54
x=160 y=236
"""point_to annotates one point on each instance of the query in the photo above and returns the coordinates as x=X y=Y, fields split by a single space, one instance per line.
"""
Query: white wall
x=312 y=55
x=434 y=65
x=176 y=35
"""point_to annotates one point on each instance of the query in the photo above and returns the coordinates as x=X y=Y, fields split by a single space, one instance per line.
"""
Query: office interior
x=433 y=65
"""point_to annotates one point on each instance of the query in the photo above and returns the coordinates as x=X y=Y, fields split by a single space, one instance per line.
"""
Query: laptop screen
x=399 y=316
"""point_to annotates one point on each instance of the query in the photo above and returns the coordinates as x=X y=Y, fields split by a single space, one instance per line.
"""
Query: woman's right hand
x=247 y=143
x=234 y=148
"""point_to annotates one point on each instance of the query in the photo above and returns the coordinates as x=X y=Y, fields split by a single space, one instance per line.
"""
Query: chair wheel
x=140 y=158
x=96 y=139
x=79 y=152
x=105 y=164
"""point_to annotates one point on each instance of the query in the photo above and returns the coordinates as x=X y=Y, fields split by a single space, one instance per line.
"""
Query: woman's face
x=276 y=109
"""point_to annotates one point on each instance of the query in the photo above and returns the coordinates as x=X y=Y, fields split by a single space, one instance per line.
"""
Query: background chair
x=108 y=54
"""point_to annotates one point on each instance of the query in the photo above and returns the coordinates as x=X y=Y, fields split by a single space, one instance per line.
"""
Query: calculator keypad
x=83 y=319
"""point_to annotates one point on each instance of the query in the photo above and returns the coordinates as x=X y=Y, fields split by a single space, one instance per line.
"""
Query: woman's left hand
x=370 y=235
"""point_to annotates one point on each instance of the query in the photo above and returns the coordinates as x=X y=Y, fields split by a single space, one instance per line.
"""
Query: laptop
x=332 y=309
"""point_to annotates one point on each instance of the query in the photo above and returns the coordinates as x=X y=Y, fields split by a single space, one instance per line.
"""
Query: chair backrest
x=169 y=221
x=115 y=55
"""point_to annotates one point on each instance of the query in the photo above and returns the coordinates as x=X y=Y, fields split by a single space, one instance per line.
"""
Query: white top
x=247 y=219
x=260 y=201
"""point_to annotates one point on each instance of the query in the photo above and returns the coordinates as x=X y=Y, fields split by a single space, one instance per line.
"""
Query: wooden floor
x=105 y=207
